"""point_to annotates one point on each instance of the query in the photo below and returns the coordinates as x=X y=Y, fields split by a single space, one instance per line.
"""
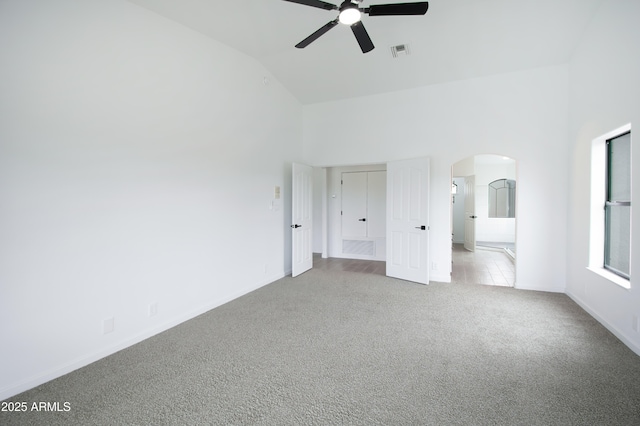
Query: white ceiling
x=455 y=40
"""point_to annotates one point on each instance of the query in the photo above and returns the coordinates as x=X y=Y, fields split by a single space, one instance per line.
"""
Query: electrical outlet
x=153 y=309
x=434 y=266
x=108 y=325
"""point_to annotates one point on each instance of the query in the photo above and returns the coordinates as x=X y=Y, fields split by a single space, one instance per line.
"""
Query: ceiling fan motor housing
x=349 y=13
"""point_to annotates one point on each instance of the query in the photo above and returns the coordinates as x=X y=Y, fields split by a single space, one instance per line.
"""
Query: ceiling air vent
x=400 y=50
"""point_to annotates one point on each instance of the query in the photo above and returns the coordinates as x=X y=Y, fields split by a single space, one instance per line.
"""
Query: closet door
x=354 y=205
x=363 y=214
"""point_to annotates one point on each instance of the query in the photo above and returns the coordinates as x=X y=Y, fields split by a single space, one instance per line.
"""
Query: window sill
x=610 y=276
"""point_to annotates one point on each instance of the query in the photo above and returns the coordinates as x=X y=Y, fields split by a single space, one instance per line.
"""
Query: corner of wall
x=624 y=338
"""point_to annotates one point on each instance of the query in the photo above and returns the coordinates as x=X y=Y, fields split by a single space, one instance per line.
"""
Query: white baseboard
x=61 y=370
x=441 y=278
x=613 y=329
x=526 y=286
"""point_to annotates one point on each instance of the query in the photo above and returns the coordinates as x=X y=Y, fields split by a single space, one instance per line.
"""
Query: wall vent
x=360 y=247
x=400 y=50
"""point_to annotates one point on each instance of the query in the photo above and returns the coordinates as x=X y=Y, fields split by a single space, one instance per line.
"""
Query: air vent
x=358 y=247
x=400 y=50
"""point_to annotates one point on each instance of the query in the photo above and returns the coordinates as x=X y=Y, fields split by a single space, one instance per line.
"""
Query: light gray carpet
x=332 y=347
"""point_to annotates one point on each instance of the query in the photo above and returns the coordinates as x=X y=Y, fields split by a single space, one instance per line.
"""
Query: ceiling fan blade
x=362 y=36
x=315 y=3
x=419 y=8
x=313 y=37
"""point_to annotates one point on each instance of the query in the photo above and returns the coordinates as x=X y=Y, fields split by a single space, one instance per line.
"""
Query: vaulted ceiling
x=455 y=40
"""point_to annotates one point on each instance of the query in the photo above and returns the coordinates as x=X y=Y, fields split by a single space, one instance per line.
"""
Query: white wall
x=521 y=115
x=604 y=95
x=138 y=161
x=465 y=167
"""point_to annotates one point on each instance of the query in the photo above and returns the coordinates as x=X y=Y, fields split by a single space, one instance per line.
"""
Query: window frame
x=609 y=203
x=599 y=194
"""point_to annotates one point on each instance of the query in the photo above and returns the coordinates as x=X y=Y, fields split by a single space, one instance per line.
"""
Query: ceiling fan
x=350 y=14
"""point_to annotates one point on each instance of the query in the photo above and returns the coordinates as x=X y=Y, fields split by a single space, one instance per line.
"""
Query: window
x=502 y=198
x=617 y=210
x=610 y=231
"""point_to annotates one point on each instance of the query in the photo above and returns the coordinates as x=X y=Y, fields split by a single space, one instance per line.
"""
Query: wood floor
x=355 y=265
x=486 y=267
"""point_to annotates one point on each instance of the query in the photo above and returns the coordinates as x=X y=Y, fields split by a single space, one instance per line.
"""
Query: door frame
x=464 y=172
x=470 y=215
x=329 y=186
x=327 y=205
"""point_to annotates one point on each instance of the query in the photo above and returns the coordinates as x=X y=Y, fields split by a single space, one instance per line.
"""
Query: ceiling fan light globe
x=349 y=16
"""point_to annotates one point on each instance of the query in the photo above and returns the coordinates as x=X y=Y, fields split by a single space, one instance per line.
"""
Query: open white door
x=301 y=215
x=470 y=213
x=408 y=220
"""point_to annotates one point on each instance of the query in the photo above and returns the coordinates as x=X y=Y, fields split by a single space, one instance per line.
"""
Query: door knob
x=473 y=217
x=364 y=219
x=296 y=226
x=423 y=227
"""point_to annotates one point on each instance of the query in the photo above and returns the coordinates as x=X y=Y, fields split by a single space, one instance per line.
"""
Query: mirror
x=502 y=198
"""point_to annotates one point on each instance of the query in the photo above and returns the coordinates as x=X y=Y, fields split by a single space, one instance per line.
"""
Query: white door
x=470 y=213
x=354 y=204
x=408 y=220
x=302 y=254
x=363 y=209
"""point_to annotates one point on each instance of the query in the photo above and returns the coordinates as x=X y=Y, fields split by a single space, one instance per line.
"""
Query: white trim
x=610 y=276
x=598 y=199
x=325 y=217
x=616 y=332
x=65 y=368
x=536 y=287
x=441 y=278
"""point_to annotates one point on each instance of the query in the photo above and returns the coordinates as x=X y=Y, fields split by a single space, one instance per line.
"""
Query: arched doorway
x=483 y=218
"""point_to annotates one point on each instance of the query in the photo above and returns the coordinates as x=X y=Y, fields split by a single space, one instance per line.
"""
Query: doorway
x=378 y=212
x=483 y=220
x=363 y=214
x=355 y=200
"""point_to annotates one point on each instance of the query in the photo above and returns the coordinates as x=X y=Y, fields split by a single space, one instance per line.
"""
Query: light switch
x=276 y=193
